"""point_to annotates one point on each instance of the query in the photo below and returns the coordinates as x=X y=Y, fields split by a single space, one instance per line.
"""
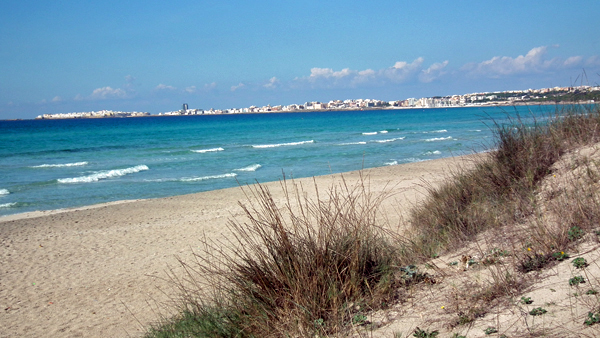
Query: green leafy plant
x=424 y=334
x=537 y=311
x=453 y=263
x=591 y=292
x=526 y=300
x=580 y=263
x=359 y=319
x=560 y=256
x=576 y=280
x=575 y=233
x=490 y=330
x=456 y=335
x=592 y=319
x=533 y=262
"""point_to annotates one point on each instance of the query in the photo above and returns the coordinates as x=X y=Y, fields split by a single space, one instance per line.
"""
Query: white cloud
x=400 y=72
x=573 y=61
x=210 y=86
x=535 y=61
x=234 y=88
x=190 y=89
x=433 y=72
x=108 y=93
x=272 y=84
x=164 y=87
x=57 y=99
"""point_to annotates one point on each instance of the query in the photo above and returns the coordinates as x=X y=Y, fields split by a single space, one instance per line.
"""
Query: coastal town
x=584 y=94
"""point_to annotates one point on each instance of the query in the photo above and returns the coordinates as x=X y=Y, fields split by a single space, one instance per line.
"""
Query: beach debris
x=465 y=261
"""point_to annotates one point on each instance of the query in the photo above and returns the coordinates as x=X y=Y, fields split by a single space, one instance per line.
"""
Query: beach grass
x=318 y=267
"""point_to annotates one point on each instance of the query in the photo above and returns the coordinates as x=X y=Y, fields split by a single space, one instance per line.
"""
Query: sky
x=153 y=56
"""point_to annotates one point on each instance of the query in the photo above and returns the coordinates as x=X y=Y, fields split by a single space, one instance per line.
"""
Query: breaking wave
x=104 y=175
x=351 y=143
x=253 y=167
x=204 y=178
x=438 y=139
x=8 y=205
x=76 y=164
x=390 y=140
x=202 y=151
x=282 y=144
x=4 y=192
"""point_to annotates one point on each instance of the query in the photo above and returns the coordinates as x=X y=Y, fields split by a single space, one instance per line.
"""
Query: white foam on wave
x=383 y=132
x=8 y=205
x=435 y=152
x=390 y=140
x=438 y=139
x=253 y=167
x=435 y=131
x=351 y=143
x=76 y=164
x=4 y=192
x=202 y=151
x=413 y=160
x=370 y=133
x=204 y=178
x=104 y=175
x=282 y=144
x=391 y=163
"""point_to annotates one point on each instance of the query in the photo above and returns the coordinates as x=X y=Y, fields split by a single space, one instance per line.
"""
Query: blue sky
x=68 y=56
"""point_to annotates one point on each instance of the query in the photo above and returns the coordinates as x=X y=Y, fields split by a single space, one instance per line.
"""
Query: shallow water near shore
x=53 y=164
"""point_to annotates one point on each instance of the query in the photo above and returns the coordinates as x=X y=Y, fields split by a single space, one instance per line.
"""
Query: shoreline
x=103 y=270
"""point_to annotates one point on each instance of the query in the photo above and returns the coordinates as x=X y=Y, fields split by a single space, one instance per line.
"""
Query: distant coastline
x=556 y=95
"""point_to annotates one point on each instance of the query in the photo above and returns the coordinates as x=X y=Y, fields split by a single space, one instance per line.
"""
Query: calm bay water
x=53 y=164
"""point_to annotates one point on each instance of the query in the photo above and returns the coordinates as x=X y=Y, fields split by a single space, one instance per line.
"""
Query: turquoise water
x=53 y=164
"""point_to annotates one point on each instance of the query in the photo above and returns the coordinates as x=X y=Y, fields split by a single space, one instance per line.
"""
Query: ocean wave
x=390 y=140
x=282 y=144
x=202 y=151
x=8 y=205
x=383 y=132
x=76 y=164
x=351 y=143
x=4 y=192
x=253 y=167
x=413 y=160
x=435 y=131
x=204 y=178
x=391 y=163
x=439 y=139
x=370 y=133
x=435 y=152
x=104 y=175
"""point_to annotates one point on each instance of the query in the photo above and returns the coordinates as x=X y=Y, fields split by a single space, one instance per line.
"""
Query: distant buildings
x=556 y=94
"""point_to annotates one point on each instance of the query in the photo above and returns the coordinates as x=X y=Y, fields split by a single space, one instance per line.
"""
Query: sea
x=57 y=164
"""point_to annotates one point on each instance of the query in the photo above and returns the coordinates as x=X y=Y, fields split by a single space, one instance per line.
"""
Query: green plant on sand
x=299 y=268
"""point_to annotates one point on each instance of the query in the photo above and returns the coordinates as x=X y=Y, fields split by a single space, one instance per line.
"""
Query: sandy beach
x=101 y=271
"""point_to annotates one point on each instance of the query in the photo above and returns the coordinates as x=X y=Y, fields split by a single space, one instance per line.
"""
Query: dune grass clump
x=501 y=188
x=307 y=268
